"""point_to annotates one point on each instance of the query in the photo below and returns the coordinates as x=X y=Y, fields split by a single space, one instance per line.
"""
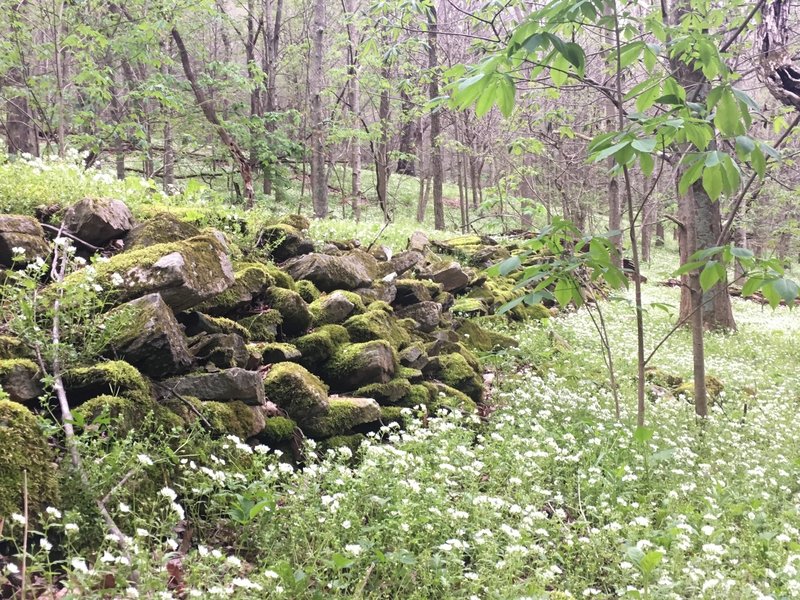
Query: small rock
x=284 y=241
x=418 y=242
x=20 y=379
x=452 y=277
x=98 y=220
x=405 y=261
x=221 y=350
x=300 y=393
x=357 y=365
x=336 y=307
x=25 y=233
x=343 y=415
x=223 y=386
x=427 y=314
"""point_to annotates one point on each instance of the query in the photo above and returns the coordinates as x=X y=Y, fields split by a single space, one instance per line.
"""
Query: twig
x=187 y=403
x=380 y=233
x=61 y=233
x=23 y=570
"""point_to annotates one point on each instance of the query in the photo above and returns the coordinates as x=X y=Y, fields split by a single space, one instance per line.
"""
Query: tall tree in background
x=436 y=119
x=316 y=76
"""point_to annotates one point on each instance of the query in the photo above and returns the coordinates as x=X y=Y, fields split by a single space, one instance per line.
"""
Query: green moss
x=275 y=352
x=419 y=395
x=320 y=345
x=251 y=280
x=538 y=312
x=483 y=340
x=359 y=364
x=298 y=392
x=322 y=315
x=281 y=277
x=293 y=309
x=663 y=379
x=307 y=290
x=411 y=291
x=262 y=327
x=26 y=454
x=377 y=325
x=454 y=371
x=413 y=375
x=9 y=365
x=470 y=306
x=161 y=228
x=393 y=414
x=278 y=430
x=235 y=418
x=127 y=414
x=445 y=396
x=11 y=347
x=343 y=414
x=391 y=392
x=464 y=240
x=381 y=306
x=353 y=442
x=114 y=377
x=713 y=388
x=297 y=221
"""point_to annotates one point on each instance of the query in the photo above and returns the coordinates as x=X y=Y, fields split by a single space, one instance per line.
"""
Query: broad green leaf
x=610 y=151
x=509 y=265
x=575 y=56
x=727 y=118
x=647 y=164
x=712 y=181
x=758 y=162
x=709 y=276
x=642 y=434
x=689 y=266
x=506 y=92
x=786 y=289
x=691 y=175
x=644 y=144
x=752 y=285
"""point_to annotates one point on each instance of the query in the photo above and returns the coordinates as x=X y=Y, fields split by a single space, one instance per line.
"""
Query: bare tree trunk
x=20 y=130
x=271 y=37
x=526 y=192
x=211 y=116
x=382 y=147
x=422 y=201
x=777 y=68
x=436 y=123
x=660 y=233
x=316 y=75
x=648 y=218
x=354 y=100
x=405 y=163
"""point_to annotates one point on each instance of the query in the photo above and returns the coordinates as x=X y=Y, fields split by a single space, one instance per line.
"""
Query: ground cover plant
x=550 y=496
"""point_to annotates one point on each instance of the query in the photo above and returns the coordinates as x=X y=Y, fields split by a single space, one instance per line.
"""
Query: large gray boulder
x=185 y=273
x=162 y=228
x=145 y=333
x=223 y=350
x=451 y=276
x=98 y=220
x=22 y=233
x=349 y=271
x=427 y=314
x=284 y=241
x=223 y=386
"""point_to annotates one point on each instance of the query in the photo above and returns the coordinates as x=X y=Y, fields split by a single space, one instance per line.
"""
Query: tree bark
x=211 y=116
x=436 y=123
x=406 y=163
x=354 y=101
x=316 y=75
x=777 y=69
x=382 y=147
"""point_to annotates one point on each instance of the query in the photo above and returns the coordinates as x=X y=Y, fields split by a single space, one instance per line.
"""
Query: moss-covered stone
x=127 y=414
x=377 y=325
x=251 y=280
x=235 y=418
x=349 y=271
x=343 y=415
x=185 y=273
x=114 y=377
x=414 y=356
x=11 y=347
x=713 y=388
x=161 y=228
x=411 y=291
x=295 y=220
x=278 y=430
x=307 y=290
x=444 y=396
x=470 y=306
x=454 y=370
x=284 y=241
x=281 y=277
x=413 y=375
x=418 y=395
x=20 y=379
x=320 y=345
x=293 y=309
x=300 y=393
x=196 y=323
x=18 y=231
x=393 y=414
x=478 y=338
x=352 y=442
x=264 y=326
x=356 y=365
x=662 y=378
x=381 y=305
x=276 y=352
x=26 y=457
x=390 y=392
x=336 y=307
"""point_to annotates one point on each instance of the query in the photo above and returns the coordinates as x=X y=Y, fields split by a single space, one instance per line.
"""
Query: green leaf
x=709 y=276
x=752 y=285
x=646 y=145
x=647 y=164
x=642 y=434
x=727 y=118
x=610 y=151
x=506 y=94
x=650 y=561
x=563 y=291
x=712 y=181
x=786 y=289
x=341 y=562
x=691 y=175
x=758 y=162
x=689 y=266
x=509 y=265
x=574 y=54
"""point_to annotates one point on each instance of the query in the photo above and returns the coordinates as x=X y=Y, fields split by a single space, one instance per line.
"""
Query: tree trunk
x=382 y=147
x=406 y=163
x=436 y=123
x=659 y=233
x=269 y=64
x=777 y=68
x=211 y=116
x=319 y=182
x=354 y=100
x=526 y=192
x=648 y=216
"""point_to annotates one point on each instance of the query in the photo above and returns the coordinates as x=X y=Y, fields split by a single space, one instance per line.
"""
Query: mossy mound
x=27 y=458
x=664 y=379
x=276 y=352
x=161 y=228
x=111 y=378
x=481 y=339
x=19 y=378
x=320 y=345
x=281 y=277
x=264 y=326
x=393 y=414
x=343 y=415
x=235 y=418
x=251 y=280
x=391 y=392
x=295 y=220
x=127 y=414
x=300 y=393
x=713 y=388
x=470 y=306
x=336 y=307
x=278 y=430
x=293 y=309
x=357 y=365
x=11 y=347
x=352 y=442
x=454 y=371
x=196 y=323
x=377 y=325
x=284 y=241
x=441 y=395
x=308 y=291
